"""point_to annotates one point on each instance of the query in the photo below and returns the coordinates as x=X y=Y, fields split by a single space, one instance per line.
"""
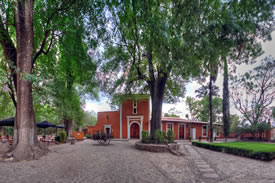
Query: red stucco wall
x=114 y=118
x=188 y=127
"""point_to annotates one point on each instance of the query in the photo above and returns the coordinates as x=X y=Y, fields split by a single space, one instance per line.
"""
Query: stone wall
x=156 y=147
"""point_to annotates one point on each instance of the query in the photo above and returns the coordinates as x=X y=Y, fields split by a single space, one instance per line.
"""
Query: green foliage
x=170 y=136
x=144 y=136
x=259 y=151
x=234 y=122
x=57 y=138
x=62 y=136
x=199 y=109
x=160 y=137
x=172 y=113
x=252 y=129
x=64 y=71
x=88 y=136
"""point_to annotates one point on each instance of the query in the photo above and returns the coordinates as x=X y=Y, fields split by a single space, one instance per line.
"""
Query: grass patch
x=256 y=150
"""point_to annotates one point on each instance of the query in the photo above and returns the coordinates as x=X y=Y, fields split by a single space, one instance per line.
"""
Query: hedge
x=260 y=155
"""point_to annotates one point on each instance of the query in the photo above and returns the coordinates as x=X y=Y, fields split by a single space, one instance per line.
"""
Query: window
x=204 y=130
x=169 y=126
x=134 y=107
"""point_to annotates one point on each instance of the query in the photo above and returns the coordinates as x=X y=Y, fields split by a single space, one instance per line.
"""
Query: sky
x=268 y=48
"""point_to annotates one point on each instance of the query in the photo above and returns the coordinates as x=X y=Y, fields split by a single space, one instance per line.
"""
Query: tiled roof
x=180 y=120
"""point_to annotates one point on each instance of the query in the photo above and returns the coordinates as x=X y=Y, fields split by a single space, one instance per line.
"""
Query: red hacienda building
x=133 y=116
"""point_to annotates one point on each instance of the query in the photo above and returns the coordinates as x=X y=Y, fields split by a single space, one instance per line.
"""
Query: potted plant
x=207 y=138
x=190 y=138
x=200 y=137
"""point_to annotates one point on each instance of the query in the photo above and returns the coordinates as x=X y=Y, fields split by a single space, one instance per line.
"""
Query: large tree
x=254 y=92
x=157 y=46
x=29 y=29
x=200 y=108
x=236 y=28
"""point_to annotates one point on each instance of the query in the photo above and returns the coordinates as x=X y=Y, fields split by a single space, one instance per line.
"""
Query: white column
x=128 y=128
x=141 y=127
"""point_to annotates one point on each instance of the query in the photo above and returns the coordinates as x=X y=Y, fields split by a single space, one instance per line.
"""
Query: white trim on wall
x=135 y=102
x=136 y=119
x=140 y=126
x=184 y=132
x=206 y=131
x=108 y=126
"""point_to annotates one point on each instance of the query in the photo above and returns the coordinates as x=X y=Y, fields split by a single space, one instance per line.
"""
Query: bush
x=266 y=156
x=62 y=136
x=144 y=136
x=170 y=136
x=57 y=138
x=88 y=136
x=160 y=137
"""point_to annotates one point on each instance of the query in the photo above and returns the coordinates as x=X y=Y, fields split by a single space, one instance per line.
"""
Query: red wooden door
x=134 y=132
x=181 y=132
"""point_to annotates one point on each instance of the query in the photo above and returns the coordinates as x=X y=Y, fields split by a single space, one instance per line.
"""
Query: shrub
x=144 y=136
x=88 y=136
x=170 y=136
x=158 y=136
x=62 y=136
x=57 y=138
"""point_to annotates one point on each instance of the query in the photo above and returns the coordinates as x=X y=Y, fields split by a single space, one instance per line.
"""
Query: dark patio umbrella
x=7 y=122
x=45 y=124
x=59 y=126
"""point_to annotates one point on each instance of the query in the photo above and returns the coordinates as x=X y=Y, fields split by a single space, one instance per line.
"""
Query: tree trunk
x=68 y=124
x=157 y=93
x=25 y=145
x=225 y=106
x=210 y=109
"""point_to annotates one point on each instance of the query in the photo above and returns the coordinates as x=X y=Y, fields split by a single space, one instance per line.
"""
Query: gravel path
x=87 y=161
x=231 y=168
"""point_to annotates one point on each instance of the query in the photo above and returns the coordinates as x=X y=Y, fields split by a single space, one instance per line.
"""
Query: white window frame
x=172 y=127
x=107 y=126
x=184 y=131
x=135 y=106
x=206 y=131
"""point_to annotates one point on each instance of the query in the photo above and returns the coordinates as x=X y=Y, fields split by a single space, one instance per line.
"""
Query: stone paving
x=88 y=161
x=231 y=168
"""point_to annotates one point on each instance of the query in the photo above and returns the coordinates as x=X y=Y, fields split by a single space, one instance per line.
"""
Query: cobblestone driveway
x=119 y=162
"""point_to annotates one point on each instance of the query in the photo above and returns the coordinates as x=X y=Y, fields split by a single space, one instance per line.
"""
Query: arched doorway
x=134 y=131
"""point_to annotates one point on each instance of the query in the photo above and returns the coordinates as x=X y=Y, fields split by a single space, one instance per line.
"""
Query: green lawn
x=253 y=146
x=256 y=150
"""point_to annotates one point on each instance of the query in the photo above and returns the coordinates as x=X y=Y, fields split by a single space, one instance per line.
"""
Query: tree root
x=26 y=152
